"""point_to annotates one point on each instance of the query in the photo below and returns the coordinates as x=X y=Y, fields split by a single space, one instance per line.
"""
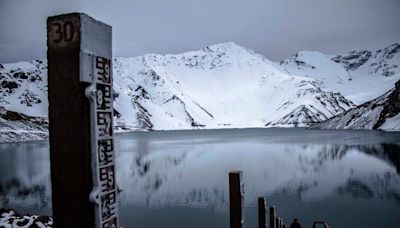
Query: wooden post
x=84 y=192
x=272 y=217
x=262 y=223
x=236 y=198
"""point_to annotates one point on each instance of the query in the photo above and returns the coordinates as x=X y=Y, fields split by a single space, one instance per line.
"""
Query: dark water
x=180 y=178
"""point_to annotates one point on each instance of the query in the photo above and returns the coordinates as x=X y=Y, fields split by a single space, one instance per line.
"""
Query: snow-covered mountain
x=381 y=113
x=220 y=86
x=217 y=87
x=360 y=76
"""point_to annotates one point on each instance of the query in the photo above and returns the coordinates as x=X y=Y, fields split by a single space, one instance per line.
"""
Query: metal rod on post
x=262 y=223
x=272 y=217
x=236 y=197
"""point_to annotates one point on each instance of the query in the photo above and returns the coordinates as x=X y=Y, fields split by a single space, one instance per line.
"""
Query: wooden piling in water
x=262 y=223
x=236 y=197
x=272 y=217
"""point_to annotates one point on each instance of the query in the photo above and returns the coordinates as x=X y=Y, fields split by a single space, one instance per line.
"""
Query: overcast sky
x=274 y=28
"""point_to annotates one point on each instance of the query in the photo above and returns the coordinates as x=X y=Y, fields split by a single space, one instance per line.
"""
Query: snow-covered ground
x=10 y=218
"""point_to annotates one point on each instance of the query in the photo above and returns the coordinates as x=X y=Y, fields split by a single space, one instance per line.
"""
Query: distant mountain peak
x=224 y=46
x=229 y=47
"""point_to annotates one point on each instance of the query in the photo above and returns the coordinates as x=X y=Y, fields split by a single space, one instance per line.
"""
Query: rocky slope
x=19 y=127
x=381 y=113
x=220 y=86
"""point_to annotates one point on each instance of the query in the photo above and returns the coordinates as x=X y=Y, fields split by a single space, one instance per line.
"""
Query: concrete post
x=236 y=198
x=84 y=192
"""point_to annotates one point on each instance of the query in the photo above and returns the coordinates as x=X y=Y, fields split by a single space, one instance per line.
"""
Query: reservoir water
x=180 y=178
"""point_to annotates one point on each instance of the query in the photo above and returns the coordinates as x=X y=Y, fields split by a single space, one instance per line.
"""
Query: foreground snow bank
x=10 y=218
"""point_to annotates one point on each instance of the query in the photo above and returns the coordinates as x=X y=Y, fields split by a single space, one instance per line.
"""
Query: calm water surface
x=180 y=178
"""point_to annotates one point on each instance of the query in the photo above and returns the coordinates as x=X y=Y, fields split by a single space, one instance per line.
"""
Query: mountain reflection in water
x=295 y=169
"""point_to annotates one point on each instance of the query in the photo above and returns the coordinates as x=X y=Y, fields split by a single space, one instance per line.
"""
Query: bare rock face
x=353 y=59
